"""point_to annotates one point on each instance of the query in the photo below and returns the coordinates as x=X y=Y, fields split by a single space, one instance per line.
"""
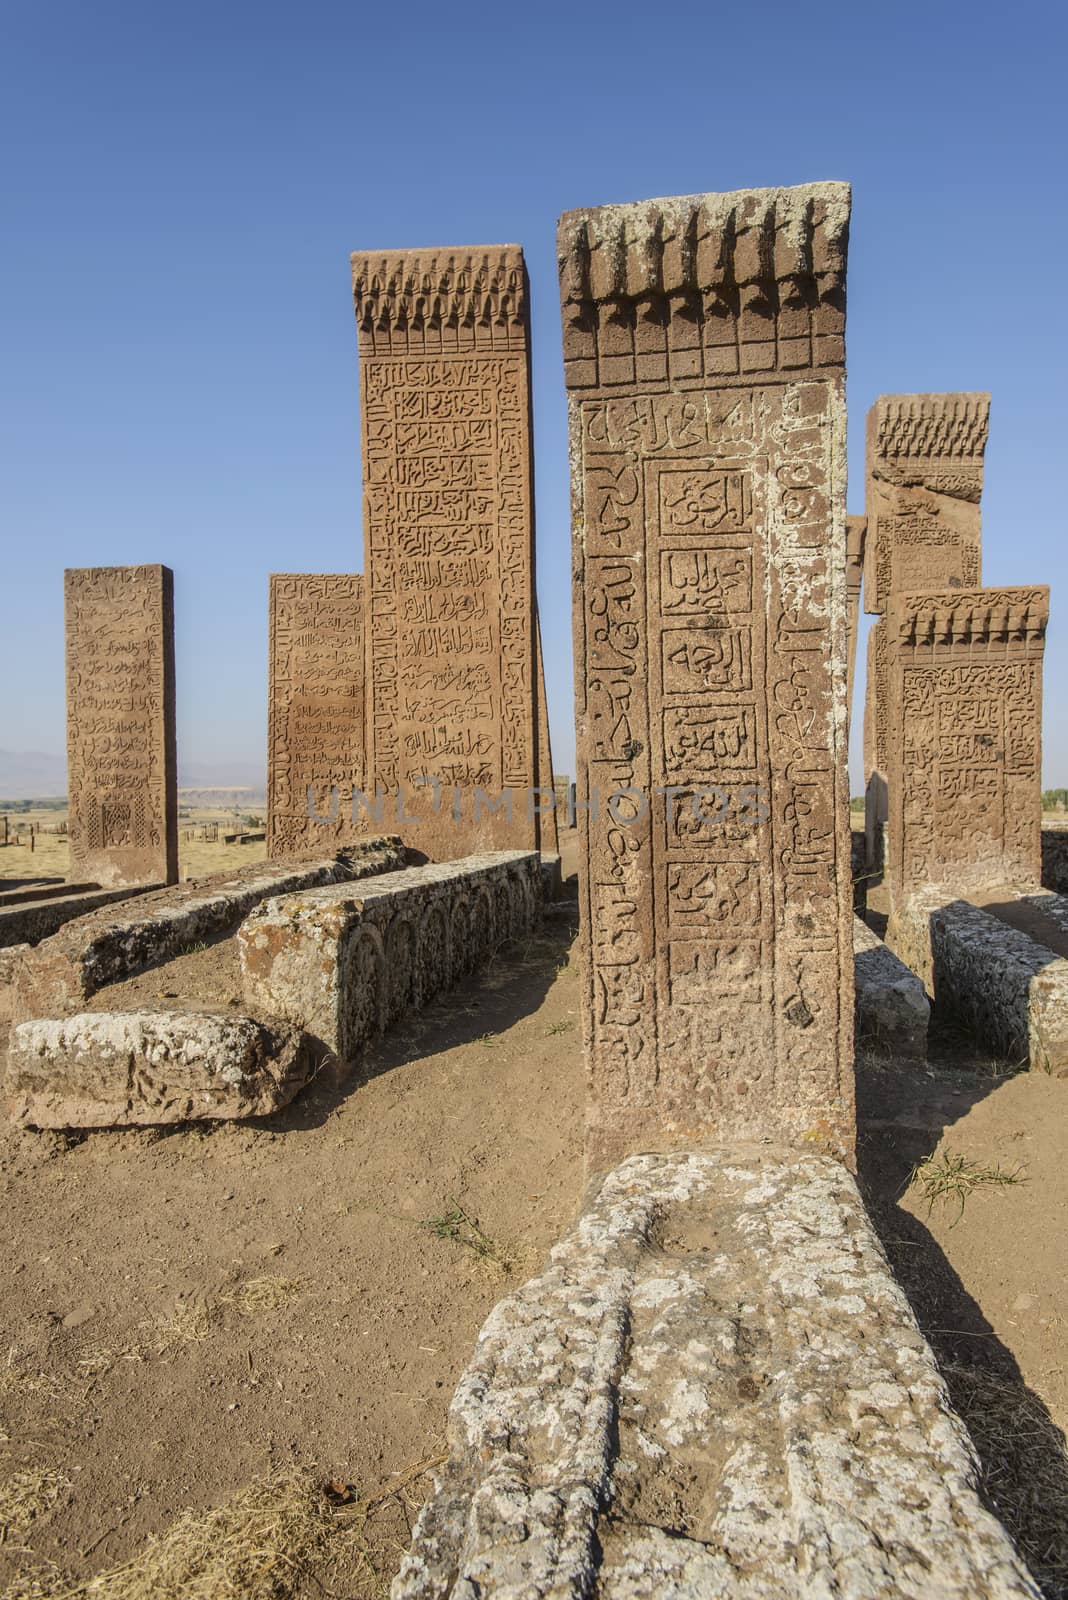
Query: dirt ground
x=186 y=1310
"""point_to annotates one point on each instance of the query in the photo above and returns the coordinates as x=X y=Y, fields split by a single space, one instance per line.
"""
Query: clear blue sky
x=185 y=183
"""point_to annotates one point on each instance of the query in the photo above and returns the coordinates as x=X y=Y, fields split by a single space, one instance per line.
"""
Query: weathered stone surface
x=57 y=978
x=1009 y=990
x=1055 y=859
x=10 y=961
x=923 y=483
x=107 y=1069
x=1053 y=906
x=31 y=920
x=965 y=744
x=716 y=1389
x=121 y=761
x=444 y=342
x=315 y=711
x=344 y=965
x=704 y=358
x=856 y=530
x=546 y=798
x=858 y=866
x=891 y=1008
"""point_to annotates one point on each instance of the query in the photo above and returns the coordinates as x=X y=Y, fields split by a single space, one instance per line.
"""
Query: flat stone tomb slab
x=344 y=964
x=114 y=1069
x=716 y=1388
x=61 y=974
x=892 y=1009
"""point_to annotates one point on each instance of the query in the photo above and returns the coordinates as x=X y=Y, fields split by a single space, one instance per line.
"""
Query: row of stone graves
x=715 y=1387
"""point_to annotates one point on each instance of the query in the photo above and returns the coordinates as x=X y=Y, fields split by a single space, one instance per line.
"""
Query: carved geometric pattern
x=709 y=558
x=964 y=746
x=448 y=526
x=315 y=737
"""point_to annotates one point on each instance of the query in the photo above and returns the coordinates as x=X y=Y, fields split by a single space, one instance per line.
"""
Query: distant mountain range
x=34 y=774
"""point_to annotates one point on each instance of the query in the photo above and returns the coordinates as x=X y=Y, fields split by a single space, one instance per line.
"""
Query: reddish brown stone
x=924 y=480
x=122 y=770
x=856 y=527
x=549 y=829
x=923 y=483
x=704 y=357
x=965 y=746
x=449 y=543
x=315 y=728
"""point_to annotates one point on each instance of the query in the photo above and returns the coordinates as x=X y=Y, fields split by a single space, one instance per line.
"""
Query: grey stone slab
x=108 y=1069
x=64 y=971
x=715 y=1389
x=892 y=1009
x=344 y=963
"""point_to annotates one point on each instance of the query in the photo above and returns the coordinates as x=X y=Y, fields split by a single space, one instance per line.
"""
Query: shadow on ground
x=902 y=1116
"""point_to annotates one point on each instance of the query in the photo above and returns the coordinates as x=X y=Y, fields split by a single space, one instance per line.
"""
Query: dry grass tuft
x=193 y=1317
x=1024 y=1466
x=263 y=1545
x=282 y=1538
x=26 y=1496
x=261 y=1294
x=946 y=1176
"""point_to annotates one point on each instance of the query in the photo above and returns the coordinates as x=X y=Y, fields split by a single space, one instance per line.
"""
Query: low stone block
x=1055 y=859
x=858 y=863
x=10 y=961
x=1009 y=990
x=112 y=1069
x=62 y=973
x=891 y=1006
x=29 y=918
x=716 y=1388
x=1053 y=906
x=343 y=965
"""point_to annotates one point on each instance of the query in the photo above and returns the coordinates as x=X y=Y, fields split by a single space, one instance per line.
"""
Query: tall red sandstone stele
x=923 y=484
x=704 y=355
x=315 y=721
x=965 y=744
x=449 y=542
x=121 y=761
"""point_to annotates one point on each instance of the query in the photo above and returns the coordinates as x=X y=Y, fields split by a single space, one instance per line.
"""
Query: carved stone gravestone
x=315 y=731
x=965 y=744
x=548 y=801
x=704 y=359
x=122 y=771
x=856 y=528
x=923 y=483
x=449 y=543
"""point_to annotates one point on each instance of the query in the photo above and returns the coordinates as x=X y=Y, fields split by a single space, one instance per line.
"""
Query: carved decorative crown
x=775 y=245
x=953 y=425
x=473 y=286
x=970 y=616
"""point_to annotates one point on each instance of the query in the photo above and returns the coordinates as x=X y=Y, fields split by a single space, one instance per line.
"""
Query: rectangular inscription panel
x=448 y=528
x=710 y=628
x=122 y=775
x=315 y=722
x=964 y=670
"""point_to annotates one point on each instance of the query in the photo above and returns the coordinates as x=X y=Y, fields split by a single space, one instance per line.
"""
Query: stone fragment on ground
x=109 y=1069
x=716 y=1388
x=892 y=1009
x=344 y=964
x=63 y=972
